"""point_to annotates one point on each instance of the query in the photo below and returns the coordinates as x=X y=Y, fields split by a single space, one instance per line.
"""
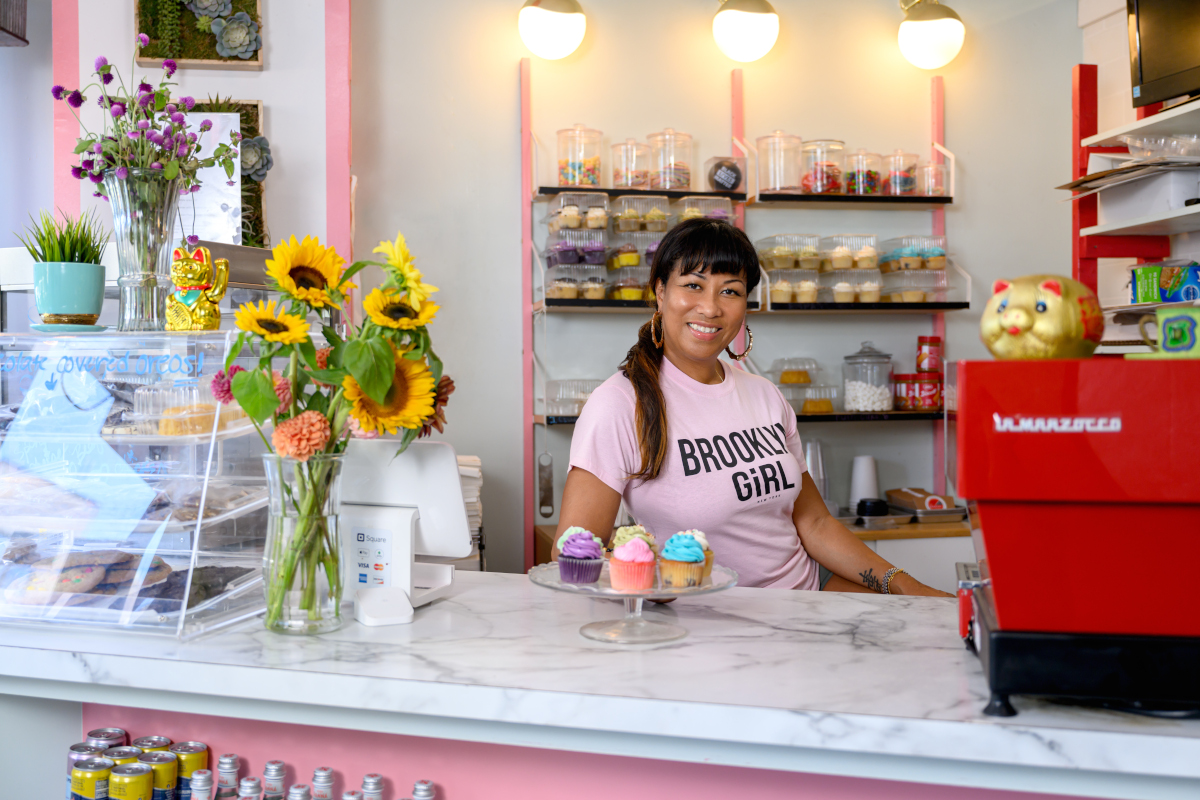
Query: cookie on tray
x=82 y=558
x=45 y=587
x=158 y=572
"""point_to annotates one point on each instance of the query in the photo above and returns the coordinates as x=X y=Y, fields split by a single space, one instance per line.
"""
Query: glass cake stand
x=634 y=628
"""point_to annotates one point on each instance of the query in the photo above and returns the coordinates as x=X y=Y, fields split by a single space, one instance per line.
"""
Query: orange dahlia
x=302 y=436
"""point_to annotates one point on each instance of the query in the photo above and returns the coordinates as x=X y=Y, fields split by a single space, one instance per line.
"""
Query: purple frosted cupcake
x=593 y=253
x=566 y=253
x=580 y=558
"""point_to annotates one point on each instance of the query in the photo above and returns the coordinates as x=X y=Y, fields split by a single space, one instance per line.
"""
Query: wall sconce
x=746 y=30
x=931 y=34
x=552 y=29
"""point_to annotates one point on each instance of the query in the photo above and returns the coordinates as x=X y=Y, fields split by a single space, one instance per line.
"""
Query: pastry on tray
x=581 y=558
x=631 y=568
x=682 y=562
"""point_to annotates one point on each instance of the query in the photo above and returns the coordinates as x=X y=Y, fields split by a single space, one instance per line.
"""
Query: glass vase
x=145 y=207
x=302 y=562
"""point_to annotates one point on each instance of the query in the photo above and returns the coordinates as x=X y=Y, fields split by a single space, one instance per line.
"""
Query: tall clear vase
x=145 y=208
x=302 y=562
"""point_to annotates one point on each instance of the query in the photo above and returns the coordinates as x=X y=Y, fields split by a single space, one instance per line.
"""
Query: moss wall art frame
x=254 y=221
x=175 y=33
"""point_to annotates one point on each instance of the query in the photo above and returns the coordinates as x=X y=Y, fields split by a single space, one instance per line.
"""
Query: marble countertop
x=772 y=672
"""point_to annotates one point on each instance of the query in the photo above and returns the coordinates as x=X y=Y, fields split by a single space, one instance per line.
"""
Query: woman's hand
x=903 y=583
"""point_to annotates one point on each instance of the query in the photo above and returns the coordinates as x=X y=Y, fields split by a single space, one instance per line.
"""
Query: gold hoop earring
x=658 y=340
x=749 y=346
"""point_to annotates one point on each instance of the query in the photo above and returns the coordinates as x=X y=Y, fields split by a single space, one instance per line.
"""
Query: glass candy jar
x=867 y=380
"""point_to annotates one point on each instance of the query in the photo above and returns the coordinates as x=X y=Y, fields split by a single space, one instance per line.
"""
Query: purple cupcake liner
x=579 y=570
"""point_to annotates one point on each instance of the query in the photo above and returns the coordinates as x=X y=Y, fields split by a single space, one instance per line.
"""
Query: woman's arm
x=589 y=503
x=840 y=551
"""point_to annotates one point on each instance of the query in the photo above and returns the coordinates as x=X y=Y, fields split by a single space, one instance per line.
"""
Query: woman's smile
x=704 y=331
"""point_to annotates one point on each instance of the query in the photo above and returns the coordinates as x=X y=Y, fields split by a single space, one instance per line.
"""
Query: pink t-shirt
x=732 y=470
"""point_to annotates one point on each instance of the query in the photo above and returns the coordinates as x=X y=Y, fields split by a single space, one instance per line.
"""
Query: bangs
x=706 y=246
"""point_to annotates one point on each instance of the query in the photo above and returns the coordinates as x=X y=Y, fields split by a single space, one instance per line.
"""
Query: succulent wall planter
x=201 y=34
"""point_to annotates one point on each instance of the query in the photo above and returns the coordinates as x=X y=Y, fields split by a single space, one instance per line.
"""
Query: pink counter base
x=473 y=771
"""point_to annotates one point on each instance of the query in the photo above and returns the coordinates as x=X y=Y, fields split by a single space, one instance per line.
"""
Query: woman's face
x=701 y=313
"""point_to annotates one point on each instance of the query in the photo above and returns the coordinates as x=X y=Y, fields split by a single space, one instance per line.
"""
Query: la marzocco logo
x=1019 y=424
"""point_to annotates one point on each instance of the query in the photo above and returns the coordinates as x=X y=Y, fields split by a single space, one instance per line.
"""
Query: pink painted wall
x=65 y=44
x=470 y=771
x=338 y=221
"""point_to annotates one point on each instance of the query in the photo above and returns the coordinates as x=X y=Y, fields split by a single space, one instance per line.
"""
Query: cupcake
x=655 y=219
x=592 y=288
x=809 y=257
x=631 y=568
x=781 y=258
x=781 y=291
x=718 y=214
x=912 y=296
x=866 y=258
x=628 y=533
x=627 y=256
x=702 y=540
x=793 y=376
x=908 y=258
x=691 y=212
x=581 y=558
x=629 y=220
x=627 y=289
x=682 y=562
x=843 y=292
x=651 y=249
x=563 y=289
x=565 y=253
x=806 y=291
x=593 y=253
x=868 y=291
x=571 y=531
x=935 y=258
x=569 y=217
x=841 y=258
x=597 y=217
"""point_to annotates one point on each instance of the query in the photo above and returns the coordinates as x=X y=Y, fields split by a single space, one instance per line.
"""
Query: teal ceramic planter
x=67 y=293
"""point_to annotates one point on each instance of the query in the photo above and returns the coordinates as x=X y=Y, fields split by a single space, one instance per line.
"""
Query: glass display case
x=131 y=498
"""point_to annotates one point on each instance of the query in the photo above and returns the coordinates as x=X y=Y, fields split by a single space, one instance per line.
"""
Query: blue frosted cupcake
x=581 y=557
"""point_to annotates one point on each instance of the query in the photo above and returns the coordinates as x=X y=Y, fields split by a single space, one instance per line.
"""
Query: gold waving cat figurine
x=200 y=284
x=1041 y=316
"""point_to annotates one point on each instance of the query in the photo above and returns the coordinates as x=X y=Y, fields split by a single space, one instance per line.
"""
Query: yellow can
x=166 y=773
x=152 y=744
x=89 y=779
x=123 y=755
x=192 y=756
x=131 y=782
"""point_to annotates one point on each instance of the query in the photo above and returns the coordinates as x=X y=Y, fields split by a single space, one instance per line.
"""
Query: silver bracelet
x=887 y=578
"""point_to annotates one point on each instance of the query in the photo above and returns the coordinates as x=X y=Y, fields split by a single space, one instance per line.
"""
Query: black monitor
x=1164 y=49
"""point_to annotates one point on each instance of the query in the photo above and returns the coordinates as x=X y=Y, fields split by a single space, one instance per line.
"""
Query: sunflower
x=388 y=309
x=307 y=271
x=261 y=319
x=398 y=256
x=408 y=403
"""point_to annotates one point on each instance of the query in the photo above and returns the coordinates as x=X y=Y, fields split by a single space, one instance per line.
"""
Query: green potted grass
x=68 y=279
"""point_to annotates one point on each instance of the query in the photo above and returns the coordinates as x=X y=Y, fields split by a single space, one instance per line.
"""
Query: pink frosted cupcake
x=631 y=568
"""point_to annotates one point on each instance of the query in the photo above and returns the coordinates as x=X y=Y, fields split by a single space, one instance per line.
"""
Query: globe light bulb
x=552 y=29
x=746 y=30
x=931 y=35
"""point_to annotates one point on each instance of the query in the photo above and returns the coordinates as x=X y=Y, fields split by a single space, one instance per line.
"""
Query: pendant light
x=931 y=34
x=745 y=30
x=552 y=29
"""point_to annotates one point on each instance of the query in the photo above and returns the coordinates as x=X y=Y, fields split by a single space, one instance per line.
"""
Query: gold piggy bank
x=200 y=284
x=1041 y=316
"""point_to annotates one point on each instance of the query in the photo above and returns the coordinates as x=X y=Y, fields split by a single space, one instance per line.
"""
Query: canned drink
x=131 y=782
x=80 y=752
x=192 y=756
x=89 y=779
x=123 y=755
x=165 y=766
x=202 y=785
x=152 y=744
x=108 y=737
x=274 y=775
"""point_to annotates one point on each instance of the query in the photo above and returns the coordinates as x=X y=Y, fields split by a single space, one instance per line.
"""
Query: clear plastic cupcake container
x=579 y=156
x=670 y=160
x=916 y=286
x=631 y=165
x=818 y=399
x=567 y=398
x=905 y=253
x=864 y=174
x=900 y=174
x=821 y=164
x=933 y=180
x=592 y=280
x=169 y=409
x=848 y=251
x=562 y=283
x=643 y=242
x=707 y=207
x=570 y=245
x=629 y=283
x=794 y=371
x=851 y=286
x=572 y=210
x=933 y=252
x=793 y=286
x=790 y=250
x=779 y=162
x=649 y=212
x=867 y=380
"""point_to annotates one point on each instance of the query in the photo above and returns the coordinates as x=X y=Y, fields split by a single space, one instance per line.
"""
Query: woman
x=689 y=442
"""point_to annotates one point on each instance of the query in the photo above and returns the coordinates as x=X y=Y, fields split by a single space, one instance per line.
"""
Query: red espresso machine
x=1083 y=484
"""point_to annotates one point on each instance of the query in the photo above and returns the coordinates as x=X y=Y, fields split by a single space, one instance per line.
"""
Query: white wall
x=26 y=126
x=292 y=88
x=436 y=150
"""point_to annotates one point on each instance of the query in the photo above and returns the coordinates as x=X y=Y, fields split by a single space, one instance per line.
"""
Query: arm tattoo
x=870 y=581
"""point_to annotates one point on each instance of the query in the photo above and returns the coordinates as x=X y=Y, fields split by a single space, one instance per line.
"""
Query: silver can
x=152 y=744
x=108 y=737
x=80 y=752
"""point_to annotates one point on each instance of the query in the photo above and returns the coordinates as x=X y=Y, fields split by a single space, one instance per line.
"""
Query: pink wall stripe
x=337 y=130
x=527 y=299
x=65 y=46
x=473 y=771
